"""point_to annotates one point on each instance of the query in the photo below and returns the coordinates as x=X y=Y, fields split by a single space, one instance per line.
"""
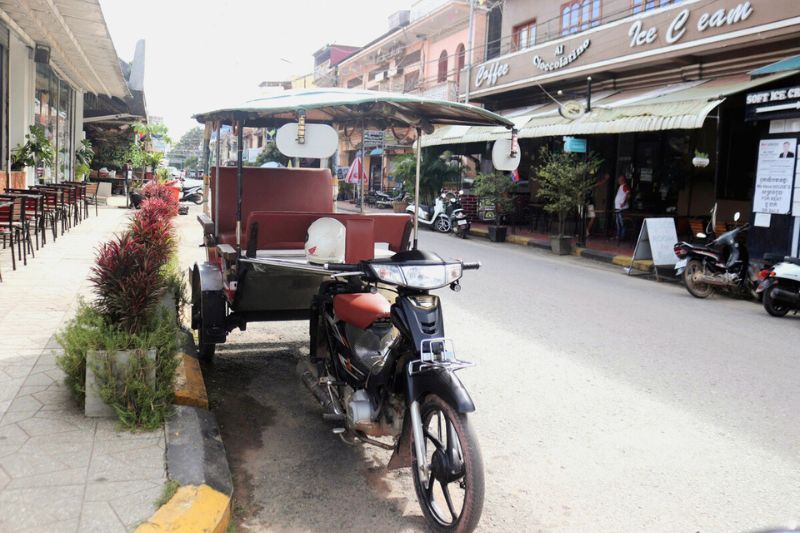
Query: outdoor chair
x=34 y=212
x=90 y=197
x=20 y=225
x=53 y=208
x=7 y=228
x=80 y=196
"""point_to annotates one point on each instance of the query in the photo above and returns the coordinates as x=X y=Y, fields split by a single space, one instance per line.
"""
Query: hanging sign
x=775 y=176
x=373 y=139
x=575 y=145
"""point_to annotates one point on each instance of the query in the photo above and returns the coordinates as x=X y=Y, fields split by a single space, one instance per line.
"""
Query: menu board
x=775 y=176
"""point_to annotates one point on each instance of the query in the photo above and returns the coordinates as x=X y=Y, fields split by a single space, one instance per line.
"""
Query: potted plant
x=564 y=181
x=119 y=351
x=37 y=151
x=700 y=159
x=493 y=189
x=436 y=168
x=83 y=159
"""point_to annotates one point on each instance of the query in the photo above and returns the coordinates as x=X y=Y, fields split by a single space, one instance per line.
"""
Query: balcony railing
x=447 y=90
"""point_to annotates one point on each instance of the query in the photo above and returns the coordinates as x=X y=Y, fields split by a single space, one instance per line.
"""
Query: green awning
x=789 y=63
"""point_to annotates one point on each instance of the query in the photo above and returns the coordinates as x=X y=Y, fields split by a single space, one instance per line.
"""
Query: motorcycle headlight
x=418 y=276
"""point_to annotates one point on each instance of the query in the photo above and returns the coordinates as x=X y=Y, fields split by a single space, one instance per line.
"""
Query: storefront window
x=647 y=5
x=53 y=112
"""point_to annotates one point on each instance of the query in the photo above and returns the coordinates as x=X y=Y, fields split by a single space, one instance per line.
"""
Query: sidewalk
x=60 y=471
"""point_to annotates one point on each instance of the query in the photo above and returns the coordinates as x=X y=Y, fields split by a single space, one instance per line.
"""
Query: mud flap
x=401 y=457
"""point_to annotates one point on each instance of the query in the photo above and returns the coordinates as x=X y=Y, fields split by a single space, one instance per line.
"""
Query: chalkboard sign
x=656 y=241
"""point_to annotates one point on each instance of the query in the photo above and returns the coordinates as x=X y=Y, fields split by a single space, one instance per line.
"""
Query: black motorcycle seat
x=792 y=260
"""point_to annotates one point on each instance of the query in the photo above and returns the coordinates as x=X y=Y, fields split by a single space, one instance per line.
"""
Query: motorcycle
x=434 y=217
x=458 y=217
x=722 y=263
x=383 y=370
x=781 y=288
x=192 y=192
x=384 y=200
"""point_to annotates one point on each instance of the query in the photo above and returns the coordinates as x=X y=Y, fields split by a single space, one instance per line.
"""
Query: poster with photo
x=775 y=176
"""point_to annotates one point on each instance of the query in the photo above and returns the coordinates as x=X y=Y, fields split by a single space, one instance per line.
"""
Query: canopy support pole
x=239 y=171
x=206 y=158
x=362 y=173
x=216 y=180
x=416 y=185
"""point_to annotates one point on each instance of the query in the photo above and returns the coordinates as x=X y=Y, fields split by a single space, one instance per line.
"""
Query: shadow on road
x=290 y=471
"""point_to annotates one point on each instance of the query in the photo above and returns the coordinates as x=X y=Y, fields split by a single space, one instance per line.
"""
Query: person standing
x=621 y=204
x=127 y=174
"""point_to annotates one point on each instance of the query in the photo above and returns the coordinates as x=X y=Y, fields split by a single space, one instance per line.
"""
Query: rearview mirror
x=737 y=216
x=701 y=235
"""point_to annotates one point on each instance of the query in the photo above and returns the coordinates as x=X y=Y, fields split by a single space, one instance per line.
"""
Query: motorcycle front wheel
x=452 y=495
x=442 y=224
x=698 y=290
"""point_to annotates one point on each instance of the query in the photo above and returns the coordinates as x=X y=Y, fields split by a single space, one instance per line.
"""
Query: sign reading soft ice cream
x=775 y=176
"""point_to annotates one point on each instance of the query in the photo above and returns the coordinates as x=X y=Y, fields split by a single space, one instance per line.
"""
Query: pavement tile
x=51 y=425
x=134 y=508
x=147 y=464
x=38 y=379
x=24 y=403
x=17 y=370
x=99 y=517
x=59 y=443
x=63 y=526
x=102 y=491
x=4 y=479
x=10 y=388
x=13 y=434
x=19 y=465
x=16 y=416
x=22 y=508
x=71 y=476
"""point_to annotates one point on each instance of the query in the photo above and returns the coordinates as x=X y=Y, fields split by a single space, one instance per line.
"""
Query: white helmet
x=325 y=241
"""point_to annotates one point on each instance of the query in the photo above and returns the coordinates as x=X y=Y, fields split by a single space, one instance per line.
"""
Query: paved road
x=605 y=403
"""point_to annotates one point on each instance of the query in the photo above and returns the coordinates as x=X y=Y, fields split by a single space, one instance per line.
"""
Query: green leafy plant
x=564 y=181
x=494 y=188
x=167 y=492
x=702 y=155
x=436 y=168
x=271 y=153
x=37 y=151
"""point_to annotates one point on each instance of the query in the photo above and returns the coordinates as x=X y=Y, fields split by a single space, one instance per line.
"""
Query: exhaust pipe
x=786 y=297
x=324 y=396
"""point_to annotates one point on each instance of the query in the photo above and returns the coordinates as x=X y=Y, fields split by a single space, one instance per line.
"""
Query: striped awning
x=679 y=106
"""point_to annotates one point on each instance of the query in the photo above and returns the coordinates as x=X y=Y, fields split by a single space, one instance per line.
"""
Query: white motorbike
x=434 y=217
x=781 y=288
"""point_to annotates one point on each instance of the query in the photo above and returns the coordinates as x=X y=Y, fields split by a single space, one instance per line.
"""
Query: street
x=604 y=403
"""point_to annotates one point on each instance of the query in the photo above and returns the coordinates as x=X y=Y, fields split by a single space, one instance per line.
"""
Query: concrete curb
x=595 y=255
x=196 y=459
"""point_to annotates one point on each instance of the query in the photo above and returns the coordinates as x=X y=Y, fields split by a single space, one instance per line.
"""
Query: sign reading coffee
x=687 y=28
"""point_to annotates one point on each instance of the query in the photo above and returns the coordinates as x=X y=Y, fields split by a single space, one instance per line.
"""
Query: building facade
x=647 y=83
x=51 y=55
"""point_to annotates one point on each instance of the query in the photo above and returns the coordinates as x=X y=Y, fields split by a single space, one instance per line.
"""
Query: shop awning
x=679 y=106
x=790 y=63
x=81 y=49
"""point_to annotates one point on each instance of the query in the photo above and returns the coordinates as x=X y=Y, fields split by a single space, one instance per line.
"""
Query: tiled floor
x=60 y=471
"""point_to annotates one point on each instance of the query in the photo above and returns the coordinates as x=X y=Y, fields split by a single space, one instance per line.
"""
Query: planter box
x=561 y=245
x=18 y=180
x=94 y=405
x=399 y=207
x=497 y=233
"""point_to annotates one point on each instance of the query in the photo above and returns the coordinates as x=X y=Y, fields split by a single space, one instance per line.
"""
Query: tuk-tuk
x=256 y=267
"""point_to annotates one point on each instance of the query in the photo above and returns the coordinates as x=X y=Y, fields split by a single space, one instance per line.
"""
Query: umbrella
x=355 y=173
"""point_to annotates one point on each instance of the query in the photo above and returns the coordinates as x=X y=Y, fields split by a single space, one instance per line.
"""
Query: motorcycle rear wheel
x=698 y=290
x=456 y=469
x=197 y=199
x=442 y=225
x=772 y=307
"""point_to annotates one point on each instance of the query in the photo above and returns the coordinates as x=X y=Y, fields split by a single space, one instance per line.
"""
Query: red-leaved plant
x=154 y=190
x=127 y=282
x=158 y=208
x=150 y=228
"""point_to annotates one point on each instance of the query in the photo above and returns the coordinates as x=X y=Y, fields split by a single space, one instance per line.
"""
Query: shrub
x=155 y=232
x=126 y=280
x=137 y=403
x=158 y=208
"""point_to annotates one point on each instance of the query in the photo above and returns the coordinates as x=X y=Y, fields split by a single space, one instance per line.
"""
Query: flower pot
x=497 y=233
x=560 y=244
x=94 y=406
x=399 y=206
x=701 y=162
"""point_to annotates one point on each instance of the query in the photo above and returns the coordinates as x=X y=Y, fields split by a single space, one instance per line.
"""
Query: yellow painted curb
x=189 y=386
x=625 y=260
x=479 y=232
x=516 y=239
x=192 y=510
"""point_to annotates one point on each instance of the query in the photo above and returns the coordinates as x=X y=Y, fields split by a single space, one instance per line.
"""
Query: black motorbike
x=387 y=371
x=385 y=200
x=723 y=263
x=458 y=217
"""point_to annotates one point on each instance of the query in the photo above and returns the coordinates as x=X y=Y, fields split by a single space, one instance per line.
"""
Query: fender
x=765 y=284
x=442 y=383
x=208 y=300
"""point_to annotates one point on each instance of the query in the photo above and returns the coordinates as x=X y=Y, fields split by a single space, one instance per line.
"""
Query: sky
x=192 y=44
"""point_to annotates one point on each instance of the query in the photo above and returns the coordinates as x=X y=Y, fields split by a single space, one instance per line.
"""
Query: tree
x=435 y=170
x=190 y=162
x=190 y=142
x=564 y=181
x=495 y=188
x=271 y=153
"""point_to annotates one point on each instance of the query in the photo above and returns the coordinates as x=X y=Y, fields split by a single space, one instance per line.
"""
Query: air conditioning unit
x=380 y=76
x=395 y=72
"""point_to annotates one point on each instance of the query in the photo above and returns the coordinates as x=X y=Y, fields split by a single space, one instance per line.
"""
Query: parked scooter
x=385 y=200
x=387 y=371
x=721 y=264
x=458 y=217
x=192 y=194
x=434 y=217
x=781 y=288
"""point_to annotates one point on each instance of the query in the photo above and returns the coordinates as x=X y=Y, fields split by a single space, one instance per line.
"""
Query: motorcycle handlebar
x=471 y=266
x=342 y=267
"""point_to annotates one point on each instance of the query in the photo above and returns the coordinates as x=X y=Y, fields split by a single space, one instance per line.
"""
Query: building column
x=21 y=91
